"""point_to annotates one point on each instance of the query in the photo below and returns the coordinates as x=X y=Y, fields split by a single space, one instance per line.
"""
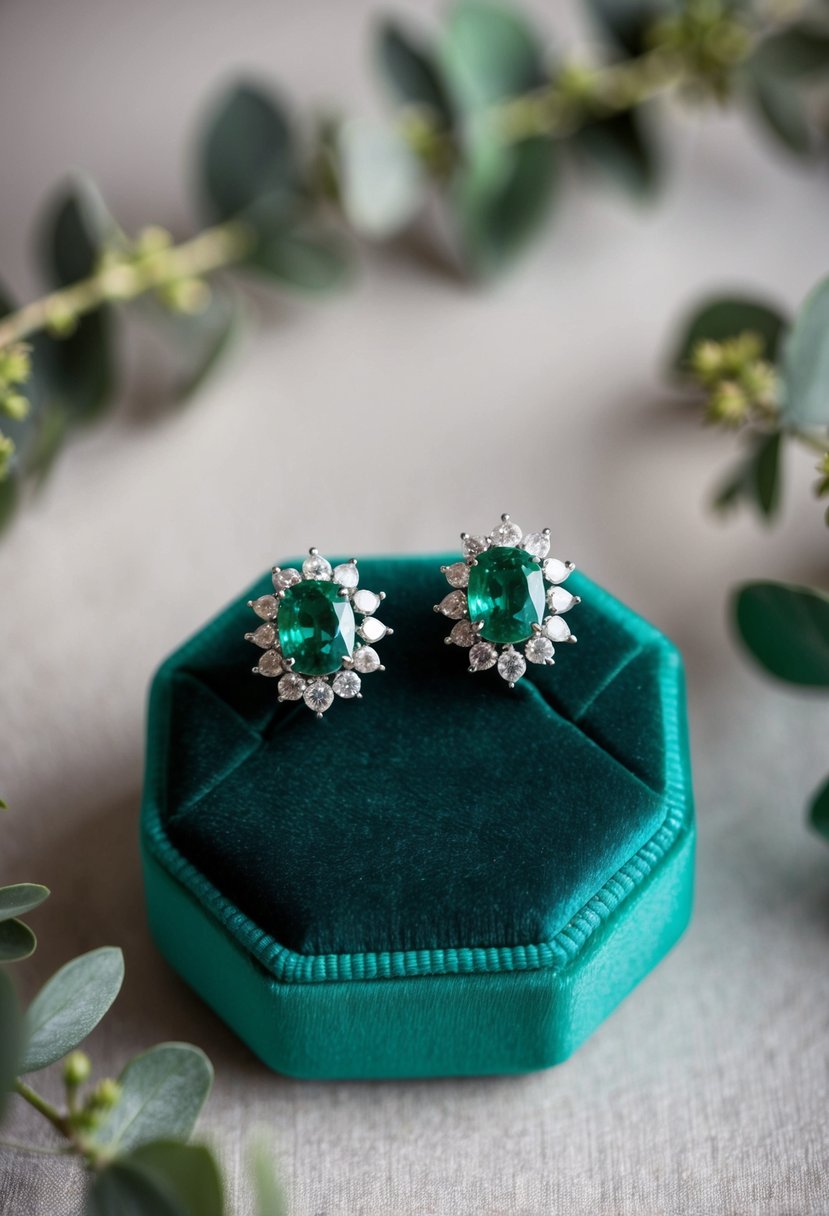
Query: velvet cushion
x=442 y=823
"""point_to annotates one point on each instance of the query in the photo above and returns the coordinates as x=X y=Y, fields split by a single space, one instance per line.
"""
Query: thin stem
x=41 y=1105
x=210 y=250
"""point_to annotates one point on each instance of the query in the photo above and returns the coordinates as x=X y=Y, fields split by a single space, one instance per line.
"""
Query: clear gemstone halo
x=507 y=600
x=309 y=636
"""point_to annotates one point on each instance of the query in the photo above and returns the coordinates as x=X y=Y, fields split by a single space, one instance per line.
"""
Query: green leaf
x=783 y=114
x=618 y=148
x=20 y=898
x=627 y=22
x=313 y=262
x=248 y=159
x=16 y=941
x=757 y=479
x=489 y=52
x=800 y=50
x=9 y=499
x=47 y=441
x=819 y=810
x=786 y=629
x=77 y=372
x=202 y=341
x=411 y=73
x=806 y=362
x=187 y=1172
x=70 y=1005
x=501 y=198
x=270 y=1197
x=380 y=179
x=124 y=1189
x=162 y=1093
x=9 y=1037
x=719 y=319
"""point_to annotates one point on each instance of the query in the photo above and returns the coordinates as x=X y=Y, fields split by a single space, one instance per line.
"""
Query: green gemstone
x=506 y=592
x=316 y=627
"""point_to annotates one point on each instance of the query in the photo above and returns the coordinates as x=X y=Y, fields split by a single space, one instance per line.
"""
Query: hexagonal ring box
x=446 y=877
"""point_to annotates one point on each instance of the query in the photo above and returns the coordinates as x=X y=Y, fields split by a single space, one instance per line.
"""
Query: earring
x=310 y=637
x=507 y=591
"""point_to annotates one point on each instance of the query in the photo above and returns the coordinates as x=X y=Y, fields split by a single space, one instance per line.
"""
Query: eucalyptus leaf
x=9 y=499
x=757 y=479
x=124 y=1189
x=819 y=810
x=381 y=181
x=728 y=317
x=200 y=341
x=311 y=261
x=800 y=50
x=20 y=898
x=76 y=228
x=16 y=941
x=618 y=147
x=627 y=22
x=501 y=198
x=270 y=1197
x=783 y=113
x=411 y=72
x=786 y=629
x=806 y=362
x=70 y=1005
x=188 y=1172
x=249 y=160
x=9 y=1037
x=489 y=52
x=162 y=1093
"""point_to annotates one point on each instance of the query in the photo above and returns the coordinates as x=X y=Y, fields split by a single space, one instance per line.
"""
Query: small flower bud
x=152 y=240
x=15 y=364
x=76 y=1069
x=707 y=361
x=105 y=1095
x=739 y=351
x=61 y=321
x=728 y=405
x=189 y=296
x=14 y=405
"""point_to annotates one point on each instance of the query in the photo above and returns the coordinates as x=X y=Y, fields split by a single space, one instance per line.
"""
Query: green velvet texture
x=478 y=847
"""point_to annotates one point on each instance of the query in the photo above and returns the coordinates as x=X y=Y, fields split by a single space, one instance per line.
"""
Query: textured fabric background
x=387 y=420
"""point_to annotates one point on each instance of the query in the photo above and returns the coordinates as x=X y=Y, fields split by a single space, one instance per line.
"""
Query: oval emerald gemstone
x=316 y=627
x=506 y=592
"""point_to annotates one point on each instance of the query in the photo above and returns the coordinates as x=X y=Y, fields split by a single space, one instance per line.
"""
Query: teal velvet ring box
x=446 y=877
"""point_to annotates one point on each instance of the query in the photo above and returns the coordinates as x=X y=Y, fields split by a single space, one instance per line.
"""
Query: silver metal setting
x=511 y=659
x=319 y=691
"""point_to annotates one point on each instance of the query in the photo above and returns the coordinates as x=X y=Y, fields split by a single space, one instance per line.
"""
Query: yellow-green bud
x=76 y=1069
x=707 y=361
x=7 y=450
x=15 y=364
x=728 y=404
x=577 y=82
x=14 y=405
x=105 y=1095
x=739 y=351
x=188 y=296
x=759 y=381
x=61 y=321
x=152 y=240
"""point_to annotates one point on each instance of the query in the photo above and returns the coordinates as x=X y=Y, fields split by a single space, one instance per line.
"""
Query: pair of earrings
x=505 y=590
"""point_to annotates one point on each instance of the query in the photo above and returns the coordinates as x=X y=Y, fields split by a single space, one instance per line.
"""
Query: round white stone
x=346 y=574
x=346 y=684
x=560 y=599
x=473 y=545
x=372 y=629
x=511 y=666
x=539 y=649
x=266 y=607
x=366 y=659
x=317 y=568
x=556 y=571
x=264 y=636
x=285 y=578
x=537 y=544
x=506 y=534
x=365 y=601
x=557 y=628
x=482 y=656
x=270 y=663
x=291 y=687
x=457 y=575
x=463 y=633
x=453 y=605
x=318 y=696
